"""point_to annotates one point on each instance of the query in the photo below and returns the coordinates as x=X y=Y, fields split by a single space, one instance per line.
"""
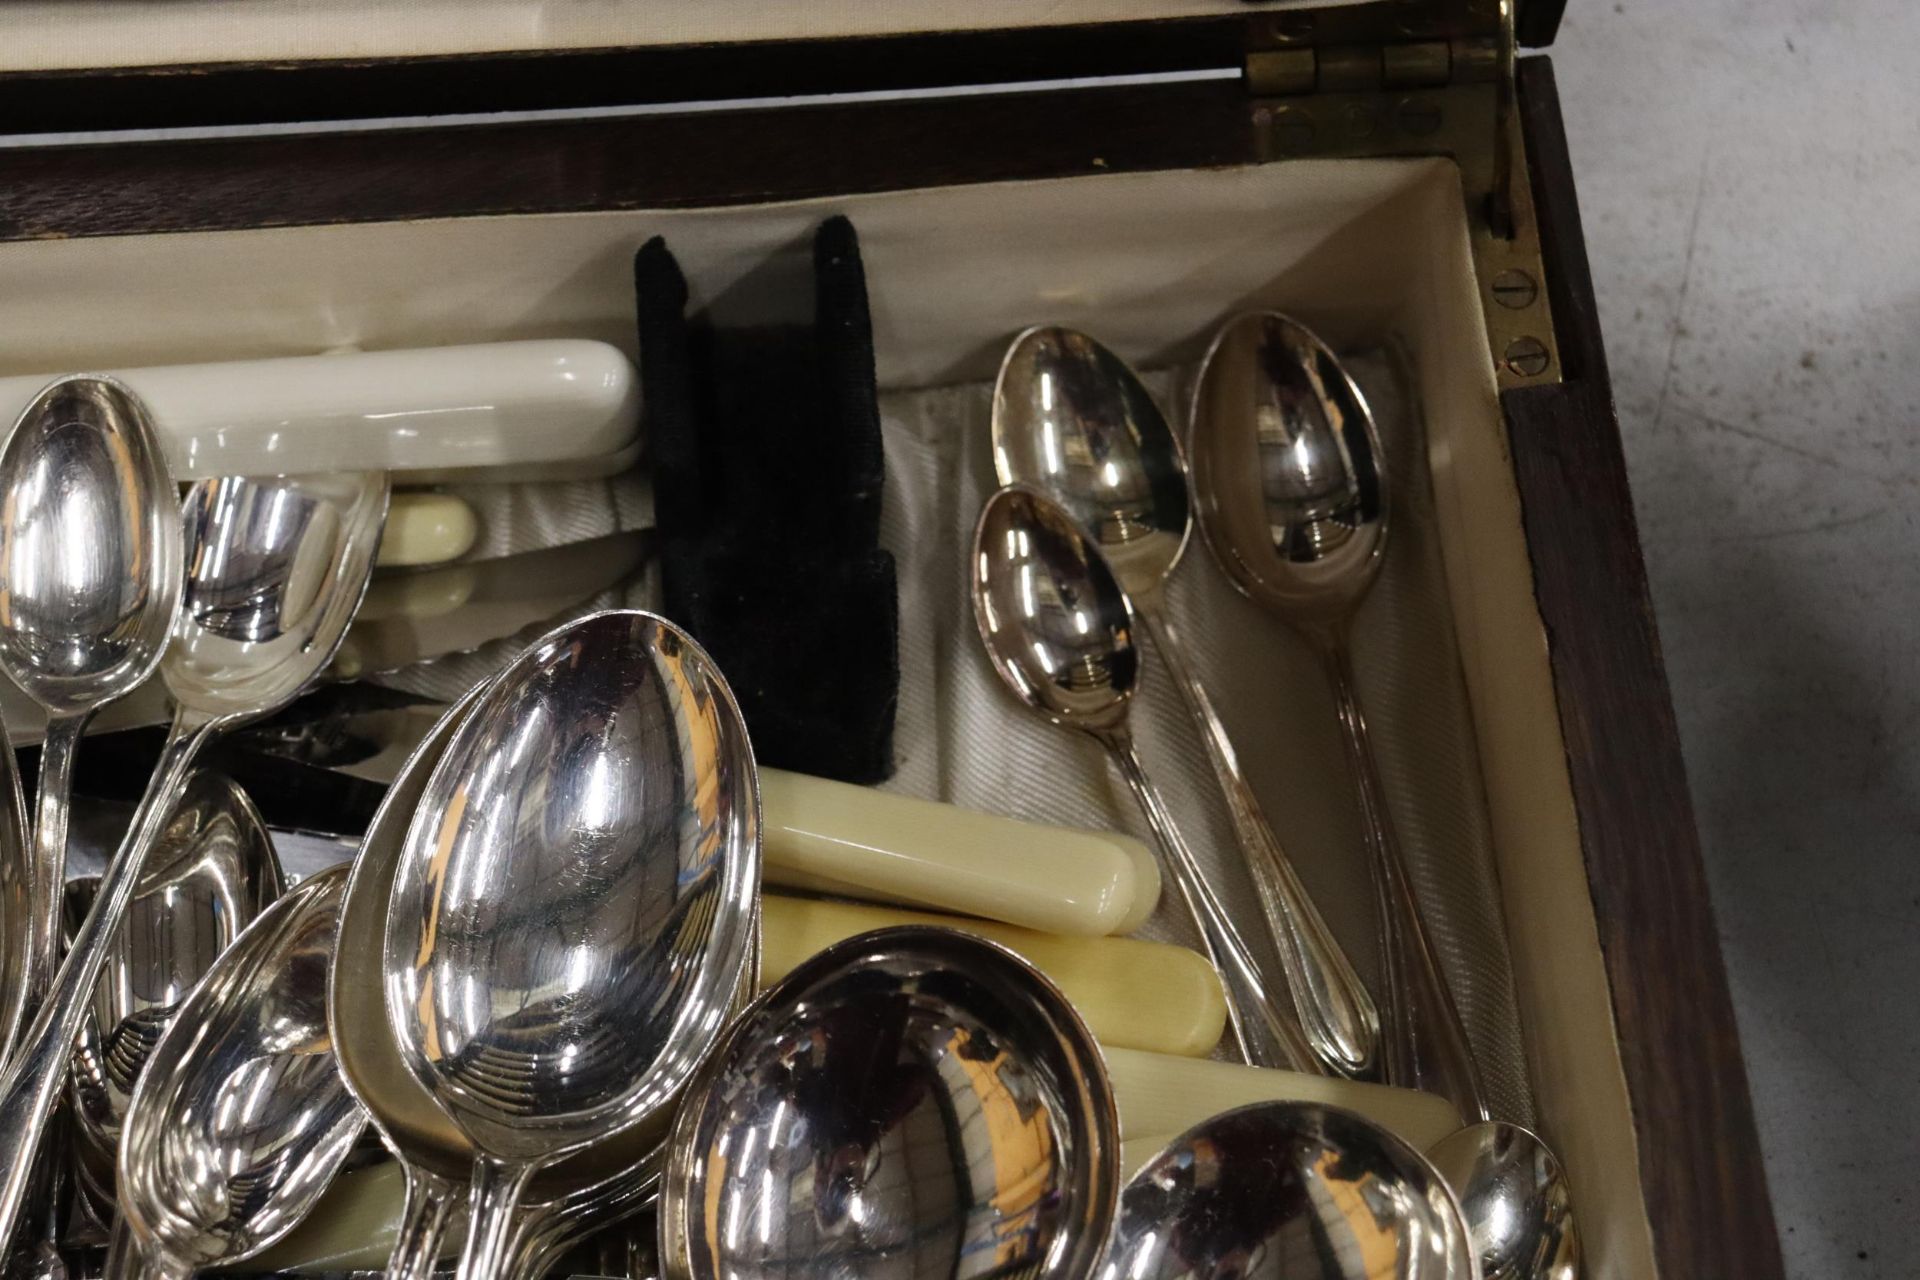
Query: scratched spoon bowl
x=1072 y=420
x=213 y=871
x=911 y=1102
x=241 y=1118
x=1288 y=1189
x=90 y=555
x=573 y=910
x=274 y=571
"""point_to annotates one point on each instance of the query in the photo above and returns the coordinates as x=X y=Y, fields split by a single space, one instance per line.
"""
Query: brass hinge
x=1413 y=78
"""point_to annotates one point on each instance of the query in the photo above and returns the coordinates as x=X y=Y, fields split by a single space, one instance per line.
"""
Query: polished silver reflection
x=1288 y=1191
x=566 y=1200
x=275 y=569
x=1293 y=499
x=573 y=911
x=89 y=580
x=910 y=1104
x=213 y=871
x=1058 y=630
x=241 y=1119
x=1073 y=421
x=1519 y=1207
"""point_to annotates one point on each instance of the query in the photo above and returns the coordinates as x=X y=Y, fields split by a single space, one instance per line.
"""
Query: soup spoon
x=240 y=1120
x=212 y=872
x=1073 y=421
x=573 y=1195
x=1059 y=632
x=274 y=571
x=913 y=1103
x=572 y=913
x=1295 y=502
x=89 y=582
x=1288 y=1191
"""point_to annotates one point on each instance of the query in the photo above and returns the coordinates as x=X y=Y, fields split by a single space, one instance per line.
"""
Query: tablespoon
x=241 y=1119
x=274 y=571
x=1073 y=421
x=1293 y=1190
x=572 y=913
x=1295 y=503
x=1058 y=630
x=212 y=872
x=588 y=1188
x=912 y=1103
x=89 y=581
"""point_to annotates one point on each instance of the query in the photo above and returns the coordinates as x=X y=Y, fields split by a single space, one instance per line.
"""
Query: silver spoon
x=575 y=1194
x=212 y=872
x=274 y=571
x=241 y=1119
x=573 y=911
x=1288 y=1189
x=89 y=581
x=1294 y=501
x=914 y=1103
x=1058 y=630
x=1073 y=421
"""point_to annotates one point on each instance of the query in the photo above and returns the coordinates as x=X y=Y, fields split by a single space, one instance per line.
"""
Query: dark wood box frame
x=1706 y=1194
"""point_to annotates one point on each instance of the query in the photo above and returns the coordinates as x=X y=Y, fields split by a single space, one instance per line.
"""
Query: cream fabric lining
x=114 y=33
x=1151 y=263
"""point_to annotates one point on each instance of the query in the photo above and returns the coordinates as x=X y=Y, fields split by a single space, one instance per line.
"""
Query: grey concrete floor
x=1750 y=176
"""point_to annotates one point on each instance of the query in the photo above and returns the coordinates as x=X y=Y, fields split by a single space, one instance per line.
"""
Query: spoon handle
x=1426 y=1039
x=51 y=807
x=424 y=1219
x=34 y=1077
x=1265 y=1038
x=1335 y=1012
x=492 y=1218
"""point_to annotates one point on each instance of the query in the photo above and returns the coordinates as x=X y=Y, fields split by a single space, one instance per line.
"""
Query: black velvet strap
x=768 y=466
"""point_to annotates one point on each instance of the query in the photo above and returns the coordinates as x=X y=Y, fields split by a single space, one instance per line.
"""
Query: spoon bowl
x=1288 y=1189
x=1518 y=1204
x=213 y=871
x=552 y=998
x=241 y=1119
x=913 y=1103
x=1288 y=471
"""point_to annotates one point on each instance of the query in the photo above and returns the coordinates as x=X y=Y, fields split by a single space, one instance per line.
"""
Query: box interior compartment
x=1373 y=253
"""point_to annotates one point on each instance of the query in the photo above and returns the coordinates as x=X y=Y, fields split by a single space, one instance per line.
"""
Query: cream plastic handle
x=859 y=842
x=430 y=409
x=426 y=528
x=1160 y=1094
x=1144 y=995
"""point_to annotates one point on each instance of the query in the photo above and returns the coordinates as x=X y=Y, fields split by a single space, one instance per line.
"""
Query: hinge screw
x=1527 y=357
x=1419 y=117
x=1288 y=28
x=1288 y=128
x=1514 y=289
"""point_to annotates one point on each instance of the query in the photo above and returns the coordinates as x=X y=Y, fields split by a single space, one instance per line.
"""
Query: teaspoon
x=89 y=581
x=1073 y=421
x=1059 y=632
x=1288 y=1191
x=572 y=915
x=212 y=872
x=241 y=1119
x=1294 y=501
x=913 y=1103
x=274 y=571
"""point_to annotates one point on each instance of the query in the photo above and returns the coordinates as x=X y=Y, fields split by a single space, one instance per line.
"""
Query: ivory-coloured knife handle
x=426 y=528
x=859 y=842
x=1144 y=995
x=1162 y=1094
